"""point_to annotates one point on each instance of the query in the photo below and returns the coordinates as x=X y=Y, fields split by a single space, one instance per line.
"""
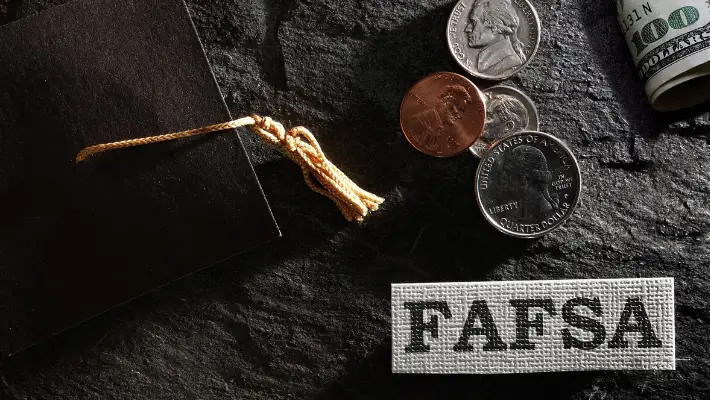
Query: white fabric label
x=533 y=326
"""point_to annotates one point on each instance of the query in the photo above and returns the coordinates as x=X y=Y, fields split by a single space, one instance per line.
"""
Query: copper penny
x=443 y=114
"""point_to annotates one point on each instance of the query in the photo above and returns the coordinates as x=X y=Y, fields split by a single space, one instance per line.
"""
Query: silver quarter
x=528 y=184
x=508 y=110
x=493 y=39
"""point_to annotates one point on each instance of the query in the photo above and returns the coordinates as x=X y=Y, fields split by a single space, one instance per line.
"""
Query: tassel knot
x=301 y=146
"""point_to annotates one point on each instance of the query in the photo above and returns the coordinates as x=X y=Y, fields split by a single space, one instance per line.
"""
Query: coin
x=528 y=184
x=493 y=39
x=442 y=114
x=508 y=110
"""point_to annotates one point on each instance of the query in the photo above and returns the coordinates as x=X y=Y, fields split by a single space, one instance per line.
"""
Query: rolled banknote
x=670 y=44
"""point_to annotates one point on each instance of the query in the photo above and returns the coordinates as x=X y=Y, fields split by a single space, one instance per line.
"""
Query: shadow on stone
x=371 y=378
x=431 y=222
x=116 y=331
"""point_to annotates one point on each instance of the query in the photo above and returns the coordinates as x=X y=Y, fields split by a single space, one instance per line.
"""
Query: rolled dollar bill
x=670 y=44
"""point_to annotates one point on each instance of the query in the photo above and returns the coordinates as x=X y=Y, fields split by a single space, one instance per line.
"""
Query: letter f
x=418 y=326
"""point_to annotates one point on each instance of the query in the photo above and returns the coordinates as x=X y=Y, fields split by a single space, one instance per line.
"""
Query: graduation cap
x=76 y=242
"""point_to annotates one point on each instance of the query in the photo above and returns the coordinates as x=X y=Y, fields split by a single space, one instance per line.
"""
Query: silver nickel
x=528 y=184
x=508 y=110
x=493 y=39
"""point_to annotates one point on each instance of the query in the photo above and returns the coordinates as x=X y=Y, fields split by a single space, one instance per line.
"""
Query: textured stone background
x=308 y=315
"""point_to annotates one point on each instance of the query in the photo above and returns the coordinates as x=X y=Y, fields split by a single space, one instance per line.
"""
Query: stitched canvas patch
x=533 y=326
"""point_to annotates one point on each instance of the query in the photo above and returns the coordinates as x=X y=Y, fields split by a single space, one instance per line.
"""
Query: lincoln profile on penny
x=430 y=127
x=493 y=29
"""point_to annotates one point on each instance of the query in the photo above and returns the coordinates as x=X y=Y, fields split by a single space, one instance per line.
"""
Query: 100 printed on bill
x=669 y=41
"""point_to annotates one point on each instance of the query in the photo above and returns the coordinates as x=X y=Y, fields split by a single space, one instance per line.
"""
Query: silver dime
x=493 y=39
x=508 y=110
x=528 y=184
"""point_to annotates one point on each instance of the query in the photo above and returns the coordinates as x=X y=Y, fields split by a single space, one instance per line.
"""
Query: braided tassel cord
x=298 y=144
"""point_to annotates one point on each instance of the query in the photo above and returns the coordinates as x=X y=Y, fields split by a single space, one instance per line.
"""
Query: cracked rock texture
x=307 y=316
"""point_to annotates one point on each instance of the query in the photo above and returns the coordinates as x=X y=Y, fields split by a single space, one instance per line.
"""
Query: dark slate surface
x=308 y=315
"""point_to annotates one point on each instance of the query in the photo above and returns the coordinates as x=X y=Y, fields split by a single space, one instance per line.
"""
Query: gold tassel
x=298 y=144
